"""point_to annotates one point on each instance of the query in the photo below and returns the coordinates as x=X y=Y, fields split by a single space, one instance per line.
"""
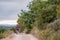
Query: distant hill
x=7 y=26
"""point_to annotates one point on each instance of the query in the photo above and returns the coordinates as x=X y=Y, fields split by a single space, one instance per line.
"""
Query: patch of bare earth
x=20 y=36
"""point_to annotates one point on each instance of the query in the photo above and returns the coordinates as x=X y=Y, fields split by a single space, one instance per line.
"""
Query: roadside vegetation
x=42 y=20
x=4 y=32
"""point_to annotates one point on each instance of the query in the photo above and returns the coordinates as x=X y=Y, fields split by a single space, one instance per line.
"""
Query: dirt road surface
x=20 y=36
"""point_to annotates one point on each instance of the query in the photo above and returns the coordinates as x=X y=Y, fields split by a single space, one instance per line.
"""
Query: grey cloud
x=10 y=8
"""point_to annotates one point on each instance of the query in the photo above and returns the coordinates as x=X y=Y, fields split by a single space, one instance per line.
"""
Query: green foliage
x=44 y=10
x=52 y=31
x=4 y=32
x=55 y=25
x=25 y=21
x=44 y=34
x=54 y=36
x=40 y=13
x=49 y=34
x=13 y=29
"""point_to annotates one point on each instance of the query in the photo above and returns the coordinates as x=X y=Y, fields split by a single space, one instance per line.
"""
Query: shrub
x=13 y=29
x=2 y=30
x=35 y=31
x=4 y=33
x=45 y=33
x=54 y=25
x=54 y=36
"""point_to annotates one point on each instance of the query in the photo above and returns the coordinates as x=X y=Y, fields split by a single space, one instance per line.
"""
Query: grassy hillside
x=42 y=20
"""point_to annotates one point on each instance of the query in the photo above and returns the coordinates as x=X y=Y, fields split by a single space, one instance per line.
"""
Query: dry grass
x=52 y=31
x=5 y=34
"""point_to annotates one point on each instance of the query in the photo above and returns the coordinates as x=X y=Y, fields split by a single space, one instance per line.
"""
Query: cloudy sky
x=9 y=10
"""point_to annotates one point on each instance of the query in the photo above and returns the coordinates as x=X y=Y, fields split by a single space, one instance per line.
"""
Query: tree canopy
x=40 y=13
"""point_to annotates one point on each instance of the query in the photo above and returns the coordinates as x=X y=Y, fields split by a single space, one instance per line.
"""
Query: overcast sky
x=10 y=8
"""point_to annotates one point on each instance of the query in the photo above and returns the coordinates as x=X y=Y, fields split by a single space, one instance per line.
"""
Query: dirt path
x=20 y=37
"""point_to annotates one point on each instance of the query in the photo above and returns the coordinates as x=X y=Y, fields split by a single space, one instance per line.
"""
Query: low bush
x=4 y=33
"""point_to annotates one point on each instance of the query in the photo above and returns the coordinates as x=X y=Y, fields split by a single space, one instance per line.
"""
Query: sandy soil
x=20 y=36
